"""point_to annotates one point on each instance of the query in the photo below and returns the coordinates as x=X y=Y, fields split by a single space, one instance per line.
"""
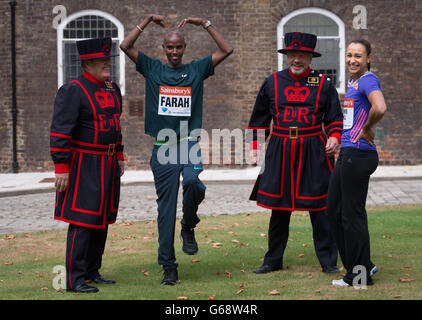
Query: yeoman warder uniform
x=86 y=141
x=305 y=111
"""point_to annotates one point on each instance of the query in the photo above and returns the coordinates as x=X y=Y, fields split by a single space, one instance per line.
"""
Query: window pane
x=115 y=71
x=322 y=26
x=98 y=27
x=72 y=67
x=72 y=64
x=94 y=23
x=329 y=61
x=312 y=23
x=86 y=27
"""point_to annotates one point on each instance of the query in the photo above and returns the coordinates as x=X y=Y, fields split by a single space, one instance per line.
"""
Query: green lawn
x=230 y=248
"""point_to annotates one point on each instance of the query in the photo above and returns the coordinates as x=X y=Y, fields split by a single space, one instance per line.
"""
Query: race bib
x=348 y=113
x=175 y=101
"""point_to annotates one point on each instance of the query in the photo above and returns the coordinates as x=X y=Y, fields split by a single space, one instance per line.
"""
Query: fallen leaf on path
x=239 y=291
x=406 y=279
x=211 y=297
x=182 y=298
x=196 y=260
x=273 y=292
x=217 y=245
x=144 y=272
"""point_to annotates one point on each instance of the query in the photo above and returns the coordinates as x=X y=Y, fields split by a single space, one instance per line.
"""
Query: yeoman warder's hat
x=298 y=41
x=95 y=48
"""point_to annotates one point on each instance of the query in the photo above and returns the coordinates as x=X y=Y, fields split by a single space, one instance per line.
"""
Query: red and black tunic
x=304 y=111
x=86 y=140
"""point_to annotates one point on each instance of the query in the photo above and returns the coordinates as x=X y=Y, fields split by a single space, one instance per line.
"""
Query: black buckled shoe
x=265 y=268
x=170 y=277
x=187 y=235
x=101 y=280
x=330 y=269
x=84 y=288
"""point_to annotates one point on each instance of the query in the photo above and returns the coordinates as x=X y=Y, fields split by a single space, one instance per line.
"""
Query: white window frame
x=120 y=36
x=341 y=30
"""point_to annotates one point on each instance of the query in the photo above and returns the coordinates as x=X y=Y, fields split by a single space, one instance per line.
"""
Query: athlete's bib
x=348 y=113
x=174 y=101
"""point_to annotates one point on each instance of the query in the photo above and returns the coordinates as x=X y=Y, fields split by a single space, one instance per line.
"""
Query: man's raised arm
x=224 y=49
x=127 y=44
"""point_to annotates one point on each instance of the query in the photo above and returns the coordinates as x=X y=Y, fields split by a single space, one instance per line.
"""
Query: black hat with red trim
x=298 y=41
x=95 y=48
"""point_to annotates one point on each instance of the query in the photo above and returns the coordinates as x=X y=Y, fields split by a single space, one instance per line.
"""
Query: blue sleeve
x=204 y=67
x=368 y=84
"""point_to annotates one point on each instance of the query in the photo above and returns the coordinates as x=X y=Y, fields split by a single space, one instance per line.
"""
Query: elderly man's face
x=298 y=62
x=99 y=68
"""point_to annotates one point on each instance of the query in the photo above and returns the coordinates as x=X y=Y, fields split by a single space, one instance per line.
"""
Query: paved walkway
x=26 y=203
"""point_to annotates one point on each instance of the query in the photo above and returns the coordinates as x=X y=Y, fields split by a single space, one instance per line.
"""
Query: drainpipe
x=14 y=106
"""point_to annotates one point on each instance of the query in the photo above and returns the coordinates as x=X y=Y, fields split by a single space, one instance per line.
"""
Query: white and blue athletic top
x=356 y=110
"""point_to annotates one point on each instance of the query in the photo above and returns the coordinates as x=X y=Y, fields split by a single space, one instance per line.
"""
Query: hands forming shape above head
x=163 y=22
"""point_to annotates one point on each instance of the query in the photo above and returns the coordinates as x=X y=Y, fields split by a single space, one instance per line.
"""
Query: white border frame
x=120 y=36
x=342 y=36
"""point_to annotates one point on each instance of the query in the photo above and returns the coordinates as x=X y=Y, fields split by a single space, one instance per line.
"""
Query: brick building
x=253 y=27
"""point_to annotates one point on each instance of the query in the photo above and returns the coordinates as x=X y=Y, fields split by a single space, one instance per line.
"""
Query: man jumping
x=173 y=100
